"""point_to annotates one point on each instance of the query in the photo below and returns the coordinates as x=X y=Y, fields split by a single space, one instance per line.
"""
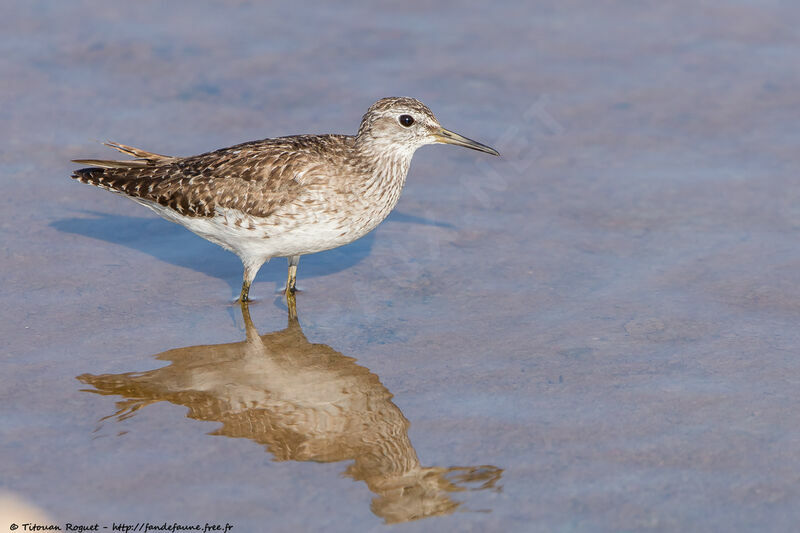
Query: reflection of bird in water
x=304 y=402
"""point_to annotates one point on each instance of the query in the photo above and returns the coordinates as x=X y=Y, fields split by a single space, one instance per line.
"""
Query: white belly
x=254 y=237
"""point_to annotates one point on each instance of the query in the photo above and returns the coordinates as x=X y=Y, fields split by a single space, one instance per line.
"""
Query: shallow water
x=595 y=332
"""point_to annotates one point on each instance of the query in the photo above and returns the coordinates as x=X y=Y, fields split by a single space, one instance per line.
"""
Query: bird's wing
x=143 y=158
x=137 y=152
x=255 y=178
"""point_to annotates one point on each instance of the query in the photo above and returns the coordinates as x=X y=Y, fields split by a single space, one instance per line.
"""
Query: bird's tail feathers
x=104 y=163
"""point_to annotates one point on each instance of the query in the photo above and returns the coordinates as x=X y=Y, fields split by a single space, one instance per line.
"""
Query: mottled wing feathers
x=144 y=158
x=255 y=178
x=136 y=152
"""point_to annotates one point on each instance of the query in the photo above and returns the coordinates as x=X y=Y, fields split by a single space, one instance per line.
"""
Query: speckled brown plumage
x=256 y=177
x=282 y=197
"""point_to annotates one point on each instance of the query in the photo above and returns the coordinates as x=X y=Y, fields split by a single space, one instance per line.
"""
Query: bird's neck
x=384 y=169
x=386 y=164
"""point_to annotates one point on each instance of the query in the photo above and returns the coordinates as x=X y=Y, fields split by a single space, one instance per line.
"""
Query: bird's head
x=401 y=125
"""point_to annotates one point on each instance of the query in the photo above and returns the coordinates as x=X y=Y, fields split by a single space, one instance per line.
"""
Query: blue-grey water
x=596 y=332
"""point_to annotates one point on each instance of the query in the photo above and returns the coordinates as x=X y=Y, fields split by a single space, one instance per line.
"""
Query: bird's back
x=255 y=178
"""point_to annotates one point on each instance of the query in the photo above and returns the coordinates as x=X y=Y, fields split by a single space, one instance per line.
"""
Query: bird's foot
x=240 y=302
x=287 y=290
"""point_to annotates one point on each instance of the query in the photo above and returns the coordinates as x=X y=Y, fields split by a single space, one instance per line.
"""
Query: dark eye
x=406 y=120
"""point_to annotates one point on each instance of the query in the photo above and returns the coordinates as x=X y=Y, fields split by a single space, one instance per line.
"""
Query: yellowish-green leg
x=251 y=268
x=245 y=294
x=291 y=280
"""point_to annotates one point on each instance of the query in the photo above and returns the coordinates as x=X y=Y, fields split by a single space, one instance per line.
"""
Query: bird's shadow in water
x=175 y=245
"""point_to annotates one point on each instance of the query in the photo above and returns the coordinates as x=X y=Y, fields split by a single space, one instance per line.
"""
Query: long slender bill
x=449 y=137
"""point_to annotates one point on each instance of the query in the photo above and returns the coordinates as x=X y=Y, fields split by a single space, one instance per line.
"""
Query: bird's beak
x=448 y=137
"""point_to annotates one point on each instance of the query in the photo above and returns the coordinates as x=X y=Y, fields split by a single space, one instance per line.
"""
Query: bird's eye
x=406 y=120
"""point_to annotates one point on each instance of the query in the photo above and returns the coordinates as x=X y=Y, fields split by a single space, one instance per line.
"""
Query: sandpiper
x=287 y=196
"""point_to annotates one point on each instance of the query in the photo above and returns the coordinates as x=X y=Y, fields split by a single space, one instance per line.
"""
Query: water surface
x=595 y=332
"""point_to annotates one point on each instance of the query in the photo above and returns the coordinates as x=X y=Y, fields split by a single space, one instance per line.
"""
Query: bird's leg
x=291 y=280
x=250 y=270
x=244 y=296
